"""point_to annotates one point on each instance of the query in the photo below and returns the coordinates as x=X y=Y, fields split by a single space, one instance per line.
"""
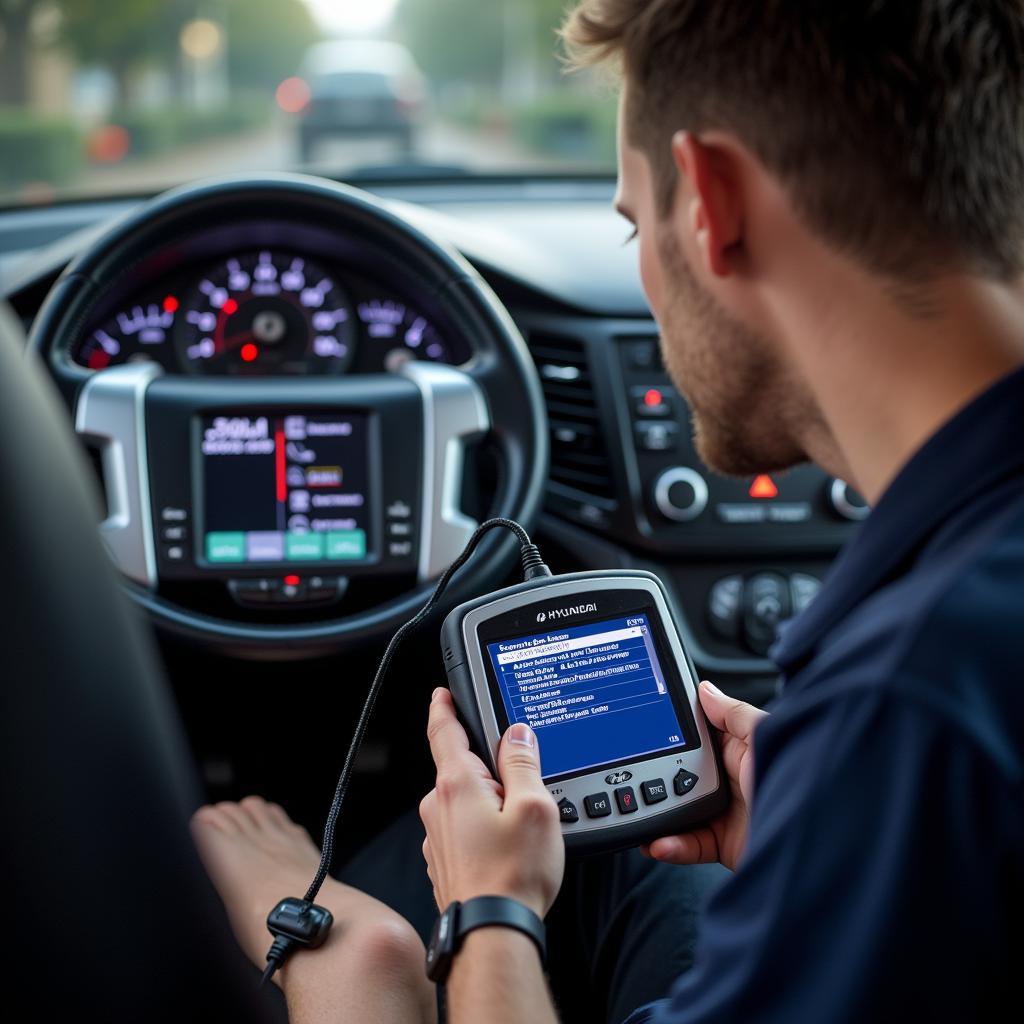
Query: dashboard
x=284 y=307
x=268 y=299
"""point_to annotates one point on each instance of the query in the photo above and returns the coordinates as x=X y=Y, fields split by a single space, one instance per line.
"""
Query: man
x=829 y=206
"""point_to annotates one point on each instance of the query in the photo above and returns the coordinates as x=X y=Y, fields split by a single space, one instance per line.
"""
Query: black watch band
x=459 y=919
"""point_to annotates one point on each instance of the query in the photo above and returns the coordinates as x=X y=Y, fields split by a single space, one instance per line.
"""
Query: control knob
x=681 y=494
x=846 y=502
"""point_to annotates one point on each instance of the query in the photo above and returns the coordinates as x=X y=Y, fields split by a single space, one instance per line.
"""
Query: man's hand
x=484 y=838
x=725 y=838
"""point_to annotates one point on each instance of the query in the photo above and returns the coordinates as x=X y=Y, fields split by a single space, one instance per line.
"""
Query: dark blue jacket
x=883 y=877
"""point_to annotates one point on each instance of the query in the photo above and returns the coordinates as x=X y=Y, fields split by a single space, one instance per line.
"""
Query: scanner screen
x=594 y=694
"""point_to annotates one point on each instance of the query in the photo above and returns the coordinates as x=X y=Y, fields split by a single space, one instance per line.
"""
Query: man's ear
x=715 y=212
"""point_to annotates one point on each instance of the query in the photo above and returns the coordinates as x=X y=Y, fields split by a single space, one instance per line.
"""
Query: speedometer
x=266 y=312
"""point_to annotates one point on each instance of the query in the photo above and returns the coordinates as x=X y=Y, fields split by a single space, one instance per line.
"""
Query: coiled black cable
x=533 y=566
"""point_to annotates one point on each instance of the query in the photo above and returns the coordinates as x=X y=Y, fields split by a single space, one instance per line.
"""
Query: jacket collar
x=979 y=446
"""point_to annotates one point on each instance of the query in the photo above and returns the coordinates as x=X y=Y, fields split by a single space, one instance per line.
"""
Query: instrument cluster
x=266 y=311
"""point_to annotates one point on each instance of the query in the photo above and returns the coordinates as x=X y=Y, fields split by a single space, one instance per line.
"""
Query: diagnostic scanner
x=593 y=663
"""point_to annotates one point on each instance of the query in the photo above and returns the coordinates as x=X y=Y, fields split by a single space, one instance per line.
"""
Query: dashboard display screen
x=594 y=694
x=285 y=488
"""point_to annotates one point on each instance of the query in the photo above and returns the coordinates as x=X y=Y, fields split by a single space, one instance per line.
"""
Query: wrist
x=491 y=912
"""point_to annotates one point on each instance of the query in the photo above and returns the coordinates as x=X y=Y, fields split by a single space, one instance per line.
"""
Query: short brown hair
x=896 y=127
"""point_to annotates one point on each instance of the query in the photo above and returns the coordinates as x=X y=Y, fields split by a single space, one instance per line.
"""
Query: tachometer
x=266 y=312
x=398 y=333
x=133 y=335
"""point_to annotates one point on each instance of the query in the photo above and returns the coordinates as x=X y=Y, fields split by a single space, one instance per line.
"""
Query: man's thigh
x=621 y=931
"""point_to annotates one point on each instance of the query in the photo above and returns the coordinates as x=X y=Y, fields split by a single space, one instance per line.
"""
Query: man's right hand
x=725 y=838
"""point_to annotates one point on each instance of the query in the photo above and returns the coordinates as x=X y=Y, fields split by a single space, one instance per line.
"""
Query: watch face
x=442 y=942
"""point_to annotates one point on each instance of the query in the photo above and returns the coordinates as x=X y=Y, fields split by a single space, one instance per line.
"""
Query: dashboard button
x=733 y=512
x=258 y=592
x=680 y=494
x=684 y=782
x=174 y=534
x=657 y=436
x=803 y=590
x=171 y=514
x=725 y=603
x=766 y=604
x=597 y=805
x=400 y=529
x=789 y=512
x=175 y=553
x=567 y=811
x=399 y=510
x=643 y=355
x=322 y=588
x=651 y=400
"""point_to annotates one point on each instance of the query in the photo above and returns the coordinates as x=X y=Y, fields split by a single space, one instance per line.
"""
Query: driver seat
x=108 y=914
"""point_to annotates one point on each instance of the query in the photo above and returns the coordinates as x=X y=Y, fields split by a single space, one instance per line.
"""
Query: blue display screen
x=594 y=694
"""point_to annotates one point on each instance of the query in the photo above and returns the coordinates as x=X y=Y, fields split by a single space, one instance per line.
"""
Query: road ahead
x=275 y=149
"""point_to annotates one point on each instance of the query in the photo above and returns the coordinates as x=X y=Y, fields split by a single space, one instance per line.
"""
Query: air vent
x=579 y=455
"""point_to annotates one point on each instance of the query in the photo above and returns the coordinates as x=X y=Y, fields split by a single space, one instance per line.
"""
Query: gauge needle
x=234 y=341
x=221 y=343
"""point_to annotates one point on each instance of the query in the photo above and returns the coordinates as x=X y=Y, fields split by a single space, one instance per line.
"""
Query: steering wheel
x=416 y=424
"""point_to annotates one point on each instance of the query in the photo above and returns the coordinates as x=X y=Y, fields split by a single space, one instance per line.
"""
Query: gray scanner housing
x=468 y=681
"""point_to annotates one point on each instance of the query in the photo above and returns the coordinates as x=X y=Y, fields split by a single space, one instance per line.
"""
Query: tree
x=266 y=40
x=16 y=28
x=481 y=43
x=123 y=35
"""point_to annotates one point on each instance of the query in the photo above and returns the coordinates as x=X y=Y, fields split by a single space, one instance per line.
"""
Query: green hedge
x=570 y=125
x=156 y=131
x=35 y=148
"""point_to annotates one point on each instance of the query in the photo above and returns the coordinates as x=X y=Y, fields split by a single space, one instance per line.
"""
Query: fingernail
x=522 y=734
x=708 y=685
x=437 y=690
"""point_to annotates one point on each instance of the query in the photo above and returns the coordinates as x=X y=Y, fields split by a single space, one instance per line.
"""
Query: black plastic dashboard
x=625 y=485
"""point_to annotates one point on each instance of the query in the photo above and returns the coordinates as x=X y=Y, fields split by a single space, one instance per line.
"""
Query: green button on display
x=303 y=547
x=225 y=547
x=346 y=544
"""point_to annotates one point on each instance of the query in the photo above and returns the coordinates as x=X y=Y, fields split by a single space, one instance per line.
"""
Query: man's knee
x=388 y=944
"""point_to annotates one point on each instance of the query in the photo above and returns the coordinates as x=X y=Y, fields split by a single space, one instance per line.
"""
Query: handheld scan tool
x=593 y=663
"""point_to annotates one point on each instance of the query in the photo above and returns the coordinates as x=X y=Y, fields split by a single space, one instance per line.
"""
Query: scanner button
x=597 y=805
x=684 y=782
x=626 y=799
x=654 y=791
x=567 y=811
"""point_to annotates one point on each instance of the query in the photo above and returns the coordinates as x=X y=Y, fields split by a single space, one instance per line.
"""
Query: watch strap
x=504 y=912
x=459 y=919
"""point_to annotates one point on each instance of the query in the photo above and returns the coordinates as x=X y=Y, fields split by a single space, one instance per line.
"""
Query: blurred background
x=122 y=96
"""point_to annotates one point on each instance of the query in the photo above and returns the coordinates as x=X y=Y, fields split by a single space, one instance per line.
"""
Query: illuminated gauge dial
x=265 y=313
x=139 y=334
x=399 y=333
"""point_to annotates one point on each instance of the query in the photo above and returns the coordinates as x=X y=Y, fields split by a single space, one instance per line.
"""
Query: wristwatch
x=459 y=919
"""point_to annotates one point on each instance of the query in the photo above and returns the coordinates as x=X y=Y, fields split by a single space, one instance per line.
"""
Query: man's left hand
x=486 y=838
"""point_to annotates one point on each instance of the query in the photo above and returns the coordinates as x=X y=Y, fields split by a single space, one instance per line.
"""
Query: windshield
x=121 y=96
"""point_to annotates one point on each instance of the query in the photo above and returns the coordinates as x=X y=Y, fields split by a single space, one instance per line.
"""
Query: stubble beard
x=748 y=414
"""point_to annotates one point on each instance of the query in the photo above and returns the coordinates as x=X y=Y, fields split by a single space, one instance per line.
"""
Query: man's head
x=888 y=134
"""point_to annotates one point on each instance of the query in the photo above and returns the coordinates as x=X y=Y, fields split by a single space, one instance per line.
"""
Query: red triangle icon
x=763 y=487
